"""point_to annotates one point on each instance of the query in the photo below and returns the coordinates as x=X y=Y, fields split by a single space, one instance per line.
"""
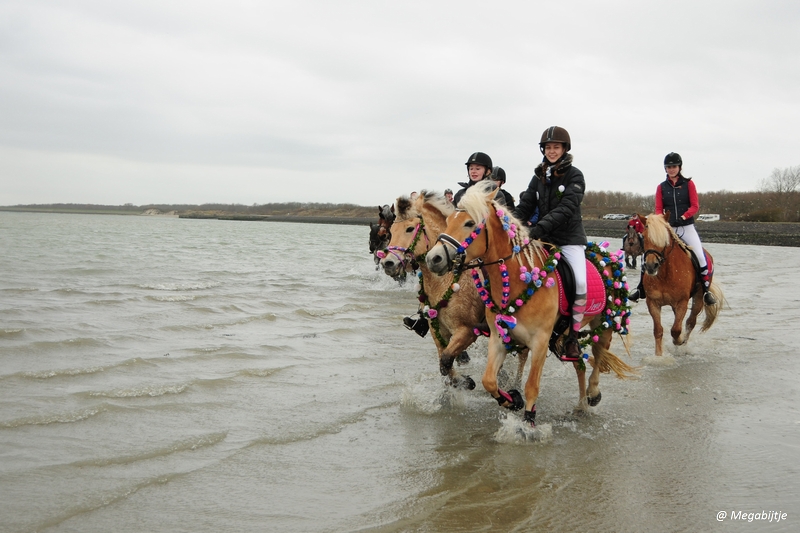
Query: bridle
x=403 y=254
x=660 y=257
x=457 y=261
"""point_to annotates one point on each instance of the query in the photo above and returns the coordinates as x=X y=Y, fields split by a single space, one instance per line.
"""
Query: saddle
x=595 y=299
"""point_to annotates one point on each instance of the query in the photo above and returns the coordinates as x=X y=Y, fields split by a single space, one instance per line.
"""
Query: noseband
x=404 y=254
x=457 y=261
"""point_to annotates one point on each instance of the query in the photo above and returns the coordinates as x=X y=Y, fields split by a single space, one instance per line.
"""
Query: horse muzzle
x=652 y=261
x=440 y=260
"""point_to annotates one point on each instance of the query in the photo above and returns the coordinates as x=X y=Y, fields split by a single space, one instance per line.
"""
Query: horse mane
x=435 y=200
x=406 y=208
x=475 y=203
x=660 y=232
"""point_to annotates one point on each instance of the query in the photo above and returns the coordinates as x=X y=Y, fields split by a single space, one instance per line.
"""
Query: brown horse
x=379 y=232
x=670 y=278
x=484 y=242
x=632 y=245
x=451 y=306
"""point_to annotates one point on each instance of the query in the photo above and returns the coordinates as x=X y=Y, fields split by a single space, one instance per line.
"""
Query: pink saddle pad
x=595 y=293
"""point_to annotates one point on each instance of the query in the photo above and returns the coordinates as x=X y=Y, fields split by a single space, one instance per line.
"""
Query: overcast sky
x=162 y=101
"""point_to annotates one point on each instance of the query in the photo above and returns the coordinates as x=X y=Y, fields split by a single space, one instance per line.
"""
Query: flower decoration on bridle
x=403 y=254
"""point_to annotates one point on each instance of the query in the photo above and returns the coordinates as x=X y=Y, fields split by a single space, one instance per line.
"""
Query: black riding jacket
x=559 y=198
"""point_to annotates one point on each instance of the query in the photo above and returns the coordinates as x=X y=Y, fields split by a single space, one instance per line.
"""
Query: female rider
x=678 y=196
x=479 y=167
x=556 y=189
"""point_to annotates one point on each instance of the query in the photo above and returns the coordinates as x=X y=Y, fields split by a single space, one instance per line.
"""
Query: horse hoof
x=594 y=401
x=519 y=401
x=463 y=358
x=469 y=383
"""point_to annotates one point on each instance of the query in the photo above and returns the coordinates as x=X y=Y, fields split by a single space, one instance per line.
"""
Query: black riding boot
x=638 y=293
x=705 y=280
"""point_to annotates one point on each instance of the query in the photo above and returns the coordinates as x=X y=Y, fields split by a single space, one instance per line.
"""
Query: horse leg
x=658 y=331
x=677 y=325
x=495 y=359
x=459 y=341
x=522 y=358
x=580 y=371
x=538 y=355
x=634 y=261
x=691 y=322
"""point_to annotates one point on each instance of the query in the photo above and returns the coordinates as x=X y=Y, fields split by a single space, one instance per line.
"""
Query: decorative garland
x=618 y=312
x=504 y=320
x=432 y=312
x=410 y=250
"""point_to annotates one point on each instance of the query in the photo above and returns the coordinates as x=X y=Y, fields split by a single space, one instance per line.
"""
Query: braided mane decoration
x=474 y=203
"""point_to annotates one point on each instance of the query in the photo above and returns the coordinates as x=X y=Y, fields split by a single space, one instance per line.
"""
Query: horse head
x=466 y=225
x=657 y=236
x=417 y=224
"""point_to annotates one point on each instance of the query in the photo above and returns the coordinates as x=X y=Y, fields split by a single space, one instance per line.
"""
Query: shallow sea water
x=163 y=375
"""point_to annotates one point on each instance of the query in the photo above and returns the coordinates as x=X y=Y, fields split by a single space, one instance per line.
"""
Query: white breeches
x=689 y=235
x=576 y=258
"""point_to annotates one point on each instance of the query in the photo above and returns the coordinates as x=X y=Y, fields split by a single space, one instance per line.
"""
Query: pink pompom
x=550 y=282
x=595 y=338
x=519 y=302
x=500 y=212
x=617 y=301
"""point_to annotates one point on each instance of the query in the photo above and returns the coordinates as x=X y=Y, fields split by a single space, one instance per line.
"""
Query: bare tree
x=782 y=180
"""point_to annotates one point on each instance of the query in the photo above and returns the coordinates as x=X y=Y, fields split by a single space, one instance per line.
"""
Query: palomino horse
x=632 y=243
x=482 y=235
x=670 y=278
x=453 y=309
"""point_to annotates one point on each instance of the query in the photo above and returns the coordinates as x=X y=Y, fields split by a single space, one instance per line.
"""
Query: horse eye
x=409 y=229
x=469 y=223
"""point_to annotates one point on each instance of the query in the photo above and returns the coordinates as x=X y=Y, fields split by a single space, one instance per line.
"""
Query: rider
x=557 y=189
x=479 y=167
x=678 y=196
x=499 y=177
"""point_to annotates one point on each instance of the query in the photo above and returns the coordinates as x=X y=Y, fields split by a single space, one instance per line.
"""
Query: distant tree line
x=777 y=200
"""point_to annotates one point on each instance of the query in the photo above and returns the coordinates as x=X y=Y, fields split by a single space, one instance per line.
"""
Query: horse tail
x=606 y=362
x=711 y=311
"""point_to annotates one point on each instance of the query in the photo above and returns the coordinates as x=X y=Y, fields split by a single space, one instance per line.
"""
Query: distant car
x=708 y=218
x=616 y=216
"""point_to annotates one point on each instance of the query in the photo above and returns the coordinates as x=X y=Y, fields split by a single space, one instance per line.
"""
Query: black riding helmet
x=479 y=158
x=498 y=174
x=673 y=158
x=555 y=134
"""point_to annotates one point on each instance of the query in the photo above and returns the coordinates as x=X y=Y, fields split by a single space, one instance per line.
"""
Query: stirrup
x=571 y=340
x=709 y=299
x=634 y=296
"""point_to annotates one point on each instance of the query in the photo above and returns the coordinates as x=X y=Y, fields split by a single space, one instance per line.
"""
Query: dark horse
x=379 y=233
x=633 y=242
